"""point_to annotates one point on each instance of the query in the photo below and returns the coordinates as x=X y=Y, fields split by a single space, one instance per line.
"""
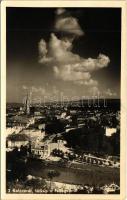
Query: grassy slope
x=87 y=175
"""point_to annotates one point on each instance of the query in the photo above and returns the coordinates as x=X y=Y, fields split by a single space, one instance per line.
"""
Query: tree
x=58 y=152
x=35 y=183
x=54 y=126
x=23 y=151
x=51 y=174
x=115 y=143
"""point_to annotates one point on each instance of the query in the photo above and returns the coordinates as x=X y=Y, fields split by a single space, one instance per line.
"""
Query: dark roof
x=18 y=119
x=18 y=137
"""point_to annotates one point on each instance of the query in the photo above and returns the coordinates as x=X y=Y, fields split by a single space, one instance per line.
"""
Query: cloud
x=69 y=25
x=33 y=89
x=24 y=87
x=38 y=90
x=94 y=91
x=60 y=51
x=60 y=11
x=109 y=93
x=42 y=48
x=92 y=64
x=66 y=23
x=89 y=82
x=67 y=65
x=55 y=91
x=66 y=73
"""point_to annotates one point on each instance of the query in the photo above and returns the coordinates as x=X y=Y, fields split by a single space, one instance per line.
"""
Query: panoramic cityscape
x=63 y=148
x=63 y=101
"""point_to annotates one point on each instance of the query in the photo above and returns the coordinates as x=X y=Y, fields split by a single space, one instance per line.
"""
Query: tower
x=27 y=104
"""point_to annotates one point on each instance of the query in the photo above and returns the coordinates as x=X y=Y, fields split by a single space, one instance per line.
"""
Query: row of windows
x=39 y=151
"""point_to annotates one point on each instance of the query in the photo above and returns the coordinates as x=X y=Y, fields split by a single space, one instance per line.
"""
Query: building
x=43 y=150
x=34 y=134
x=110 y=188
x=15 y=129
x=27 y=104
x=110 y=131
x=40 y=152
x=17 y=140
x=17 y=123
x=32 y=110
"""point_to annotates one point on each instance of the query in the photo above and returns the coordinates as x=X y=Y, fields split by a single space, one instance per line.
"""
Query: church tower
x=27 y=104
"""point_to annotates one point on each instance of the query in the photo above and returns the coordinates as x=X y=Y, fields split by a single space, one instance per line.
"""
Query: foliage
x=93 y=140
x=55 y=126
x=35 y=183
x=58 y=152
x=52 y=173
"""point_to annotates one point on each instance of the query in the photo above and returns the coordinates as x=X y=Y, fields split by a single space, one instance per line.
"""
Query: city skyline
x=64 y=51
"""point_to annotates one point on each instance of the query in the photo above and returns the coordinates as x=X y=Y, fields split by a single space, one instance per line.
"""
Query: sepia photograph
x=63 y=100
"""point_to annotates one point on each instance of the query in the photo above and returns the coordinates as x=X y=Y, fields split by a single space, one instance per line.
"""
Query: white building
x=110 y=131
x=15 y=129
x=17 y=140
x=13 y=144
x=34 y=133
x=63 y=115
x=43 y=150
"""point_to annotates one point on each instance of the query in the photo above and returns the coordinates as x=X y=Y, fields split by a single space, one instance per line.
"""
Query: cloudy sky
x=70 y=52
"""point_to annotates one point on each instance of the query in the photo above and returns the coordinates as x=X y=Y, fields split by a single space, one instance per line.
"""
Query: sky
x=68 y=53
